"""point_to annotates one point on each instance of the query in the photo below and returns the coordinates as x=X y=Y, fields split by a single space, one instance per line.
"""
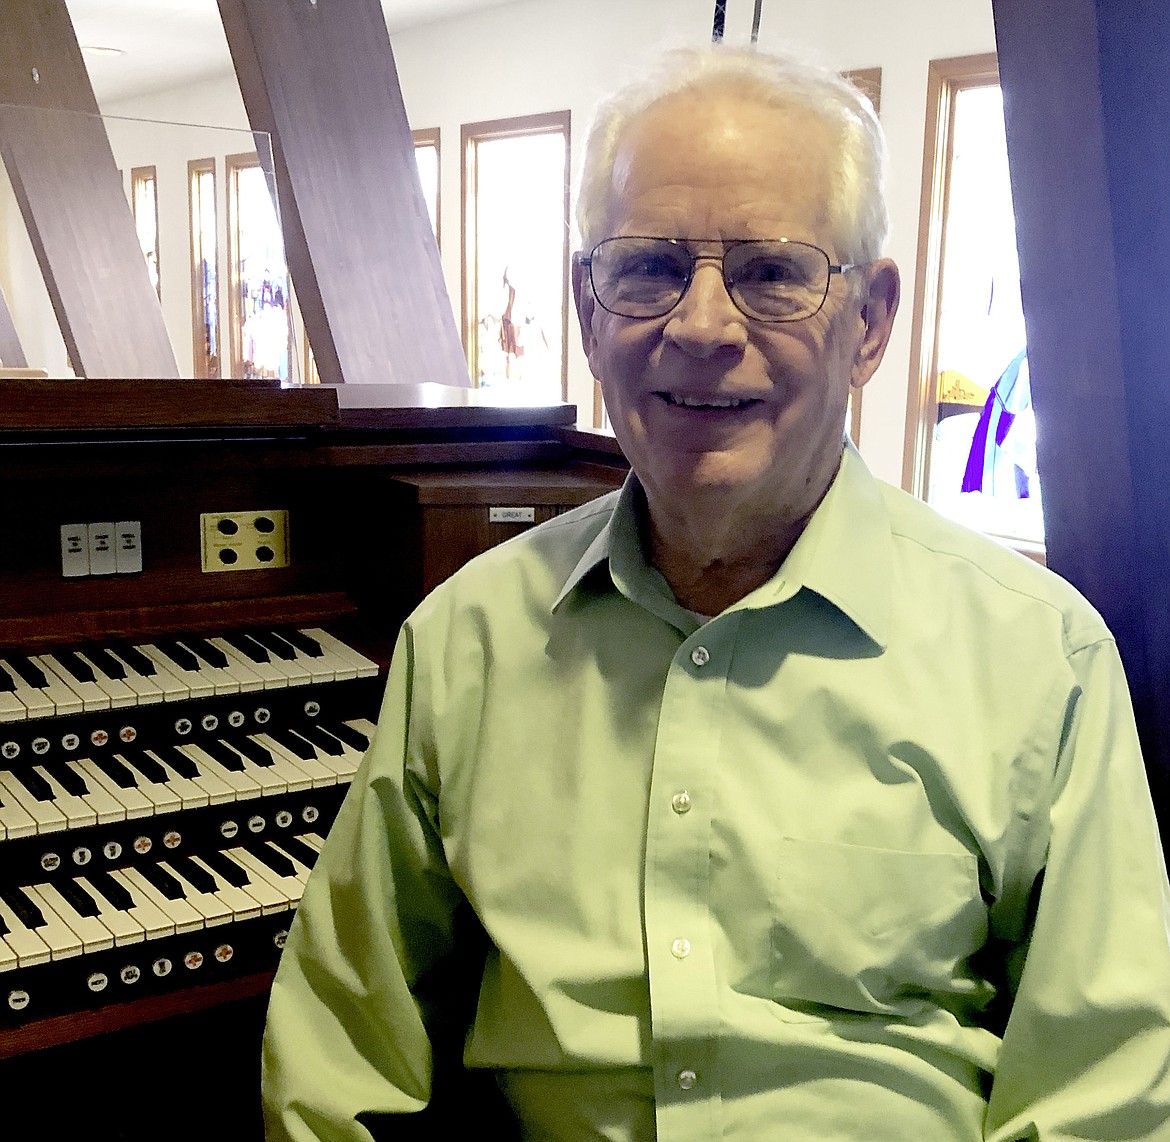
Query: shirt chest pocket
x=859 y=929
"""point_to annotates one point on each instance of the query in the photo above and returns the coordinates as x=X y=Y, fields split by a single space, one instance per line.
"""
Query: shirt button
x=680 y=948
x=681 y=802
x=700 y=656
x=687 y=1078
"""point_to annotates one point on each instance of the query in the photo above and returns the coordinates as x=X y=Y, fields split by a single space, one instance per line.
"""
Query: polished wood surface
x=1086 y=104
x=364 y=262
x=71 y=197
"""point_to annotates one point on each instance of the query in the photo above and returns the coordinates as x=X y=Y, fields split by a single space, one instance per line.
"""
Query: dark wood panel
x=70 y=194
x=321 y=79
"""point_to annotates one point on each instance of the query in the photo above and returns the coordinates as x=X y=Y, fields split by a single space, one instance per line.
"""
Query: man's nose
x=706 y=320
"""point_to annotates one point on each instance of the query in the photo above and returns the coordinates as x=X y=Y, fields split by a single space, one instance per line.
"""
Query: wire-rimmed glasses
x=773 y=279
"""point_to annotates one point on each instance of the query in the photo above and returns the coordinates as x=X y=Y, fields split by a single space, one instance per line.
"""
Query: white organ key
x=313 y=840
x=8 y=958
x=270 y=677
x=243 y=671
x=303 y=869
x=119 y=693
x=15 y=819
x=290 y=887
x=30 y=949
x=365 y=667
x=269 y=778
x=243 y=906
x=133 y=801
x=190 y=795
x=211 y=907
x=197 y=685
x=121 y=925
x=146 y=690
x=107 y=807
x=77 y=813
x=92 y=696
x=43 y=702
x=259 y=888
x=219 y=791
x=154 y=921
x=184 y=917
x=171 y=689
x=12 y=709
x=93 y=934
x=48 y=818
x=295 y=780
x=63 y=942
x=241 y=783
x=159 y=794
x=317 y=773
x=221 y=679
x=321 y=667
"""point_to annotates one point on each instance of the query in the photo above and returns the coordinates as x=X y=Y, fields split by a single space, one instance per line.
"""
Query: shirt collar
x=845 y=555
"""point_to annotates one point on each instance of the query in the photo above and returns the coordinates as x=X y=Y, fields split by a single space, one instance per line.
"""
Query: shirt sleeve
x=373 y=992
x=1086 y=1050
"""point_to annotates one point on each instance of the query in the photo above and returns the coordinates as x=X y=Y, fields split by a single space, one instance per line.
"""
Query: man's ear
x=586 y=305
x=879 y=304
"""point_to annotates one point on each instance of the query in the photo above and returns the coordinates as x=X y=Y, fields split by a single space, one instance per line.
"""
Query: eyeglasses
x=771 y=280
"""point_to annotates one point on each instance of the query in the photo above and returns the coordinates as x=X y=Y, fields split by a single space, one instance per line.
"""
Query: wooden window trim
x=197 y=167
x=430 y=137
x=945 y=79
x=232 y=165
x=551 y=122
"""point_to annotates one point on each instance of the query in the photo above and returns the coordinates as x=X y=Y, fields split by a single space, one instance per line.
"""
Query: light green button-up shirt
x=869 y=856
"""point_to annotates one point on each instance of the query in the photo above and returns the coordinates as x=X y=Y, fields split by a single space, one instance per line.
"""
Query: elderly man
x=754 y=801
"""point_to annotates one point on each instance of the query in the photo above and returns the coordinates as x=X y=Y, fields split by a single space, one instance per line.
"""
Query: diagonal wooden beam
x=66 y=183
x=319 y=77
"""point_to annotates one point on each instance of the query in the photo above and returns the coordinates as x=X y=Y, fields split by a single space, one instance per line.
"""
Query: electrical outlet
x=244 y=541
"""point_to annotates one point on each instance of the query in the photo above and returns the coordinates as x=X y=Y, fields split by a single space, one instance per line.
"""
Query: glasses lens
x=639 y=277
x=777 y=281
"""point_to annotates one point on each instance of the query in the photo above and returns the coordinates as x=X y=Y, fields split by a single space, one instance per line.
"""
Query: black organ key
x=80 y=900
x=270 y=640
x=135 y=659
x=256 y=752
x=248 y=646
x=296 y=744
x=233 y=873
x=115 y=893
x=295 y=847
x=34 y=783
x=212 y=655
x=355 y=739
x=163 y=881
x=178 y=761
x=6 y=682
x=67 y=777
x=73 y=665
x=226 y=757
x=28 y=670
x=146 y=765
x=323 y=740
x=194 y=874
x=302 y=642
x=106 y=663
x=4 y=929
x=277 y=861
x=118 y=773
x=26 y=911
x=177 y=653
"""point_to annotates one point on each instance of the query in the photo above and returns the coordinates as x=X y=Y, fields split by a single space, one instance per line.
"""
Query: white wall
x=545 y=55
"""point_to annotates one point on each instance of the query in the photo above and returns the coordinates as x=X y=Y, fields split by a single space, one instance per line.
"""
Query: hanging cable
x=720 y=17
x=756 y=20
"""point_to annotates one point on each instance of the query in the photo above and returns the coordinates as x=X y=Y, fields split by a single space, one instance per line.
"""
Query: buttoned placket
x=677 y=891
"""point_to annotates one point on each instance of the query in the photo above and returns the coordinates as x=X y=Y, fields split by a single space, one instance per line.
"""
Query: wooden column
x=319 y=77
x=70 y=194
x=1087 y=105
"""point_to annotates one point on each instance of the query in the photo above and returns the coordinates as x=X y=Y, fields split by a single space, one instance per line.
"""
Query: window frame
x=471 y=134
x=197 y=167
x=138 y=176
x=431 y=137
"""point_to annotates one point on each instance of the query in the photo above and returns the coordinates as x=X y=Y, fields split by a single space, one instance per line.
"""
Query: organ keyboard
x=161 y=803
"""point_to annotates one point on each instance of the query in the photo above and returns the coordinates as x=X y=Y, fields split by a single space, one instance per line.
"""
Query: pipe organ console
x=174 y=743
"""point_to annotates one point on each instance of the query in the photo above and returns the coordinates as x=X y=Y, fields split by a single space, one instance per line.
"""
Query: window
x=426 y=155
x=144 y=201
x=204 y=267
x=516 y=254
x=259 y=309
x=971 y=432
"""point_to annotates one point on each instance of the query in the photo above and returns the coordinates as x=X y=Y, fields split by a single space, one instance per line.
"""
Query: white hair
x=857 y=206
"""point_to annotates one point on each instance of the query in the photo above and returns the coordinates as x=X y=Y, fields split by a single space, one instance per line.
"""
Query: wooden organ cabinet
x=174 y=741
